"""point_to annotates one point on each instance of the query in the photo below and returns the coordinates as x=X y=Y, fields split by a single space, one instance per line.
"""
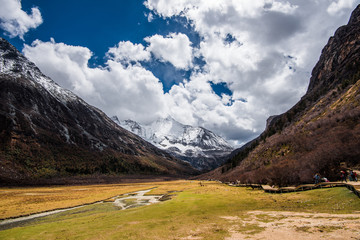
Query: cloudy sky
x=226 y=65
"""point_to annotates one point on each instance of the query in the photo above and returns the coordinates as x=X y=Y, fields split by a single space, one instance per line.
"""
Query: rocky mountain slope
x=47 y=131
x=321 y=133
x=200 y=147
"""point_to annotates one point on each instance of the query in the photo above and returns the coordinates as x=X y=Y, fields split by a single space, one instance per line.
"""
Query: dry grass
x=24 y=201
x=173 y=186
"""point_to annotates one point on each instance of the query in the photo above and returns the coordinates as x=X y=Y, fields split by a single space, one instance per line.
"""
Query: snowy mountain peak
x=193 y=144
x=131 y=126
x=14 y=64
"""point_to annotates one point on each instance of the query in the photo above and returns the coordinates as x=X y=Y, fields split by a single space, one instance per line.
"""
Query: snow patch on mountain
x=14 y=64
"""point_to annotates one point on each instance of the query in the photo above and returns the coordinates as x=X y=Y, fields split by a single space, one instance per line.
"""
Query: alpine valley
x=200 y=147
x=48 y=132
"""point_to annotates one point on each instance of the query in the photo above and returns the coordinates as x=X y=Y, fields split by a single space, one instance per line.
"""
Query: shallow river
x=129 y=200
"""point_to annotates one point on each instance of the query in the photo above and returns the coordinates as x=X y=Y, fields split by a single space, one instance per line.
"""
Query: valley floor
x=196 y=210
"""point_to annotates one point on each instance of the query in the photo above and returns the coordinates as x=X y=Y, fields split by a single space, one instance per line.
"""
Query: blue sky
x=226 y=65
x=93 y=24
x=99 y=25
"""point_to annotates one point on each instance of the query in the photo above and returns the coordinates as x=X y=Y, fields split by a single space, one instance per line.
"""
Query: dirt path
x=290 y=225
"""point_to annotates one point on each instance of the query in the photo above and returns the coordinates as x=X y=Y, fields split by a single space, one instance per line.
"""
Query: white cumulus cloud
x=339 y=5
x=174 y=48
x=15 y=21
x=128 y=91
x=127 y=51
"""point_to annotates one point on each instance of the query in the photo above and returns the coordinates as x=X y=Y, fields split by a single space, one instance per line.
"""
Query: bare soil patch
x=291 y=225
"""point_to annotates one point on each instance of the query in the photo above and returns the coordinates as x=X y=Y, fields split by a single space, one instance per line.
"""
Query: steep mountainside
x=200 y=147
x=46 y=131
x=321 y=133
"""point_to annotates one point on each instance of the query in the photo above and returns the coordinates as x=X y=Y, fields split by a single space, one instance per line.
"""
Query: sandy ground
x=290 y=225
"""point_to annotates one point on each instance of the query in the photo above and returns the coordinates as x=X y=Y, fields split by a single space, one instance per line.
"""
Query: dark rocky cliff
x=339 y=61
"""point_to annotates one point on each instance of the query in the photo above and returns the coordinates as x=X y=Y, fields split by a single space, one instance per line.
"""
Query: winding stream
x=136 y=199
x=125 y=201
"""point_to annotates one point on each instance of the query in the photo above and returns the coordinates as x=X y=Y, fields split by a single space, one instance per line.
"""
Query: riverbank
x=24 y=201
x=89 y=180
x=125 y=201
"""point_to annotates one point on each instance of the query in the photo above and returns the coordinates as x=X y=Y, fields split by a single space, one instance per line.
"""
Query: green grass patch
x=250 y=229
x=306 y=229
x=265 y=218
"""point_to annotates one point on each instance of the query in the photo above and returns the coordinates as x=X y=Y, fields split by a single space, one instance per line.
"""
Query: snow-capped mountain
x=197 y=145
x=47 y=131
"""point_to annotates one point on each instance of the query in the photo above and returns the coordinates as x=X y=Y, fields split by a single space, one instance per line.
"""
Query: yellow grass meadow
x=24 y=201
